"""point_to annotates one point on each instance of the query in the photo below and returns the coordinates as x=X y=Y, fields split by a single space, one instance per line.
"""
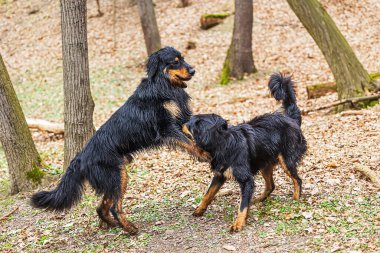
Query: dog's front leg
x=191 y=147
x=246 y=188
x=216 y=183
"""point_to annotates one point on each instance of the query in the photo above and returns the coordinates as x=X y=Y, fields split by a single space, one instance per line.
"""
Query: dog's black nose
x=192 y=71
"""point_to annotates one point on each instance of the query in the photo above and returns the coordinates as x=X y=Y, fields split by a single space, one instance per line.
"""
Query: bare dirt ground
x=339 y=210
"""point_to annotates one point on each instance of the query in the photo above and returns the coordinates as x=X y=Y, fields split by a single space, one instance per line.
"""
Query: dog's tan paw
x=198 y=212
x=236 y=227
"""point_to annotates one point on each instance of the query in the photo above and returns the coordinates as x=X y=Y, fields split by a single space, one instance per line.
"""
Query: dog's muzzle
x=187 y=132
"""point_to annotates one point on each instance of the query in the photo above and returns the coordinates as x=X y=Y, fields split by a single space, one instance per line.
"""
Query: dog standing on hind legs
x=151 y=117
x=241 y=151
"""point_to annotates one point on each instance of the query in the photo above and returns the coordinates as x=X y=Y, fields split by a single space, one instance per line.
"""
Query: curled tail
x=282 y=89
x=67 y=193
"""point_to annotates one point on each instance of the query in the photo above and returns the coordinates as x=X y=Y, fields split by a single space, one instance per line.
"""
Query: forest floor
x=339 y=210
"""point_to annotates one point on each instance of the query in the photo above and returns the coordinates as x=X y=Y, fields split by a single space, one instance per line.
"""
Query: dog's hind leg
x=104 y=212
x=216 y=184
x=117 y=209
x=267 y=173
x=246 y=188
x=291 y=170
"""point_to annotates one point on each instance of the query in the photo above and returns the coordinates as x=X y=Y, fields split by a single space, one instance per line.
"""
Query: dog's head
x=169 y=63
x=206 y=130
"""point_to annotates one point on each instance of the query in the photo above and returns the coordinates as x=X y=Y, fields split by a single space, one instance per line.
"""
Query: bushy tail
x=67 y=193
x=282 y=89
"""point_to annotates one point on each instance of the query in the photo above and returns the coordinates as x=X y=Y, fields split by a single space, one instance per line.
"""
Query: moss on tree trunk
x=24 y=163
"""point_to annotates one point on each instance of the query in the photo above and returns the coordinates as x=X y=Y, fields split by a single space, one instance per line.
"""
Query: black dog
x=241 y=151
x=151 y=117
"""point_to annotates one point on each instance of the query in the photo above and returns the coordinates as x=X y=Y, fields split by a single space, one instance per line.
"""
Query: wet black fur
x=249 y=147
x=141 y=123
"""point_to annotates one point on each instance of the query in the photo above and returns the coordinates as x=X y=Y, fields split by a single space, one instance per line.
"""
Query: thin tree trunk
x=79 y=105
x=239 y=59
x=149 y=26
x=351 y=78
x=24 y=163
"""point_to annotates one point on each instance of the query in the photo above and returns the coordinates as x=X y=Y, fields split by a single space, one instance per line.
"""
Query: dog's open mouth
x=183 y=78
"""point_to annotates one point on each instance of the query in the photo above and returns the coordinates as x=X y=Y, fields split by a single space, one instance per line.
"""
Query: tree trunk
x=24 y=163
x=149 y=26
x=79 y=105
x=184 y=3
x=239 y=59
x=351 y=78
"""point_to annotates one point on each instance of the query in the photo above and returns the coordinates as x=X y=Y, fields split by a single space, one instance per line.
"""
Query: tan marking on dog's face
x=173 y=108
x=187 y=131
x=176 y=75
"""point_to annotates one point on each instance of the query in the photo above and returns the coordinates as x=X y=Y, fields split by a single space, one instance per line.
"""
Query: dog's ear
x=152 y=65
x=223 y=125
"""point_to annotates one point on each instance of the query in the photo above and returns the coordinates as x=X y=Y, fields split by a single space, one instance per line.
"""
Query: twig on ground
x=372 y=175
x=9 y=214
x=348 y=100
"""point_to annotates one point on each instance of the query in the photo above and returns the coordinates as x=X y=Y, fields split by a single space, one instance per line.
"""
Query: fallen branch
x=348 y=100
x=44 y=125
x=322 y=89
x=372 y=175
x=9 y=214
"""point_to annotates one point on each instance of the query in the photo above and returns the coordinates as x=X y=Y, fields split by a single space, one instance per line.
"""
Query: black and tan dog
x=151 y=117
x=243 y=150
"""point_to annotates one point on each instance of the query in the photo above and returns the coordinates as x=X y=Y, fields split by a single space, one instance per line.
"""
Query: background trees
x=239 y=59
x=352 y=80
x=24 y=163
x=79 y=106
x=149 y=26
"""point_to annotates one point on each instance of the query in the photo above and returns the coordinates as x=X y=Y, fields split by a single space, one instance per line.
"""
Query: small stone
x=307 y=215
x=229 y=247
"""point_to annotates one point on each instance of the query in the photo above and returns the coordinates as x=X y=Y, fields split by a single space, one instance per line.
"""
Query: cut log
x=372 y=175
x=340 y=102
x=43 y=125
x=211 y=20
x=322 y=89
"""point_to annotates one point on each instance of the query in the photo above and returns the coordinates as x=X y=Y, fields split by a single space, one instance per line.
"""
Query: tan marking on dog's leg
x=267 y=174
x=194 y=150
x=228 y=174
x=207 y=199
x=125 y=224
x=104 y=212
x=240 y=220
x=296 y=194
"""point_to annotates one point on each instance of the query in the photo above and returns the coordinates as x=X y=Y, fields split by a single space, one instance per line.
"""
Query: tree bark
x=149 y=26
x=79 y=106
x=239 y=59
x=184 y=3
x=24 y=163
x=351 y=78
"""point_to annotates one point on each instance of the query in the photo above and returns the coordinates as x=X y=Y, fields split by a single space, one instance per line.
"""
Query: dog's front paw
x=198 y=212
x=236 y=227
